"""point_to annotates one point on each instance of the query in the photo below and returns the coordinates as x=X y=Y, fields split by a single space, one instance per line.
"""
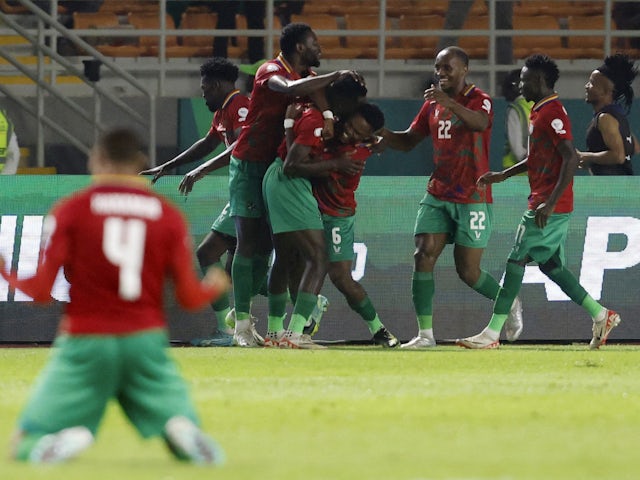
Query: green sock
x=591 y=306
x=569 y=285
x=513 y=276
x=368 y=313
x=487 y=286
x=302 y=310
x=26 y=444
x=277 y=311
x=497 y=322
x=260 y=268
x=422 y=290
x=221 y=306
x=242 y=274
x=221 y=316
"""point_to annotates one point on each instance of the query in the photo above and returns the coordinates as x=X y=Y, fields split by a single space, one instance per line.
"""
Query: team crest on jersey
x=317 y=132
x=486 y=105
x=272 y=67
x=242 y=114
x=558 y=126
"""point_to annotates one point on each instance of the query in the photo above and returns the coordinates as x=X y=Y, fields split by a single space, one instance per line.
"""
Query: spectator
x=626 y=15
x=254 y=11
x=610 y=142
x=9 y=149
x=285 y=9
x=516 y=120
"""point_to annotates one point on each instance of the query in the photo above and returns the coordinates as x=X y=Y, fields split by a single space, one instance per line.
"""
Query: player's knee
x=468 y=275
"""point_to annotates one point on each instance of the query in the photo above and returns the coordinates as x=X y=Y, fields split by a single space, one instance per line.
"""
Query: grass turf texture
x=521 y=412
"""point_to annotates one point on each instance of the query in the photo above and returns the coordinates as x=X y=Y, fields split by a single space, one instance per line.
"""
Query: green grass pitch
x=520 y=412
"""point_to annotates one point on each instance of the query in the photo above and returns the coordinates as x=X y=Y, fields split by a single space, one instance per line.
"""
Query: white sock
x=426 y=333
x=242 y=325
x=601 y=316
x=492 y=334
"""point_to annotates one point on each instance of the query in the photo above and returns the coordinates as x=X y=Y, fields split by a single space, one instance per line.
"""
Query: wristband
x=288 y=123
x=327 y=114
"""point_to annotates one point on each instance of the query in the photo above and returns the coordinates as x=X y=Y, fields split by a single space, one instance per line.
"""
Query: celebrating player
x=458 y=117
x=218 y=78
x=277 y=83
x=542 y=232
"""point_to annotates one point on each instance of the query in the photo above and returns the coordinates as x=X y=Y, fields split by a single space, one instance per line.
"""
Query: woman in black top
x=610 y=142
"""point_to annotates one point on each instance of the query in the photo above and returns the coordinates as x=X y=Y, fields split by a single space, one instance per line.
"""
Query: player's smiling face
x=450 y=71
x=597 y=87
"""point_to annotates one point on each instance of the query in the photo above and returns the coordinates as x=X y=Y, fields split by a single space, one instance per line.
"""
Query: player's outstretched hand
x=189 y=179
x=218 y=279
x=157 y=172
x=489 y=178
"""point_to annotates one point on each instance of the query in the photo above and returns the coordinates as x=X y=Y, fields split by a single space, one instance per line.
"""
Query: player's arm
x=198 y=150
x=489 y=178
x=300 y=164
x=219 y=161
x=303 y=86
x=614 y=154
x=567 y=171
x=399 y=140
x=476 y=120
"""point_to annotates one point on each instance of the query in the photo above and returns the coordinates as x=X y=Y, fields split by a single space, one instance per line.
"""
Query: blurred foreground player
x=118 y=243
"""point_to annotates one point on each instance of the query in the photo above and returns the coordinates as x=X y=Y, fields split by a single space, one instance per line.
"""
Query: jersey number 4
x=123 y=245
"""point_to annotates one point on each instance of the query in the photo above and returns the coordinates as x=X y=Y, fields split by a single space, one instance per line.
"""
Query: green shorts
x=339 y=237
x=86 y=371
x=245 y=188
x=541 y=244
x=225 y=223
x=468 y=224
x=290 y=203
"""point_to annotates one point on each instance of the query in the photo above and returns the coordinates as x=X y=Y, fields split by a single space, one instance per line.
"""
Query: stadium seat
x=201 y=45
x=124 y=7
x=332 y=45
x=551 y=45
x=430 y=7
x=315 y=7
x=355 y=7
x=367 y=45
x=422 y=46
x=125 y=46
x=15 y=9
x=476 y=46
x=591 y=46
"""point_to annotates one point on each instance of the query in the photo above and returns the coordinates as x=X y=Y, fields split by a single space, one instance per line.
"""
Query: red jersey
x=307 y=131
x=336 y=194
x=262 y=133
x=118 y=243
x=460 y=155
x=230 y=117
x=549 y=125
